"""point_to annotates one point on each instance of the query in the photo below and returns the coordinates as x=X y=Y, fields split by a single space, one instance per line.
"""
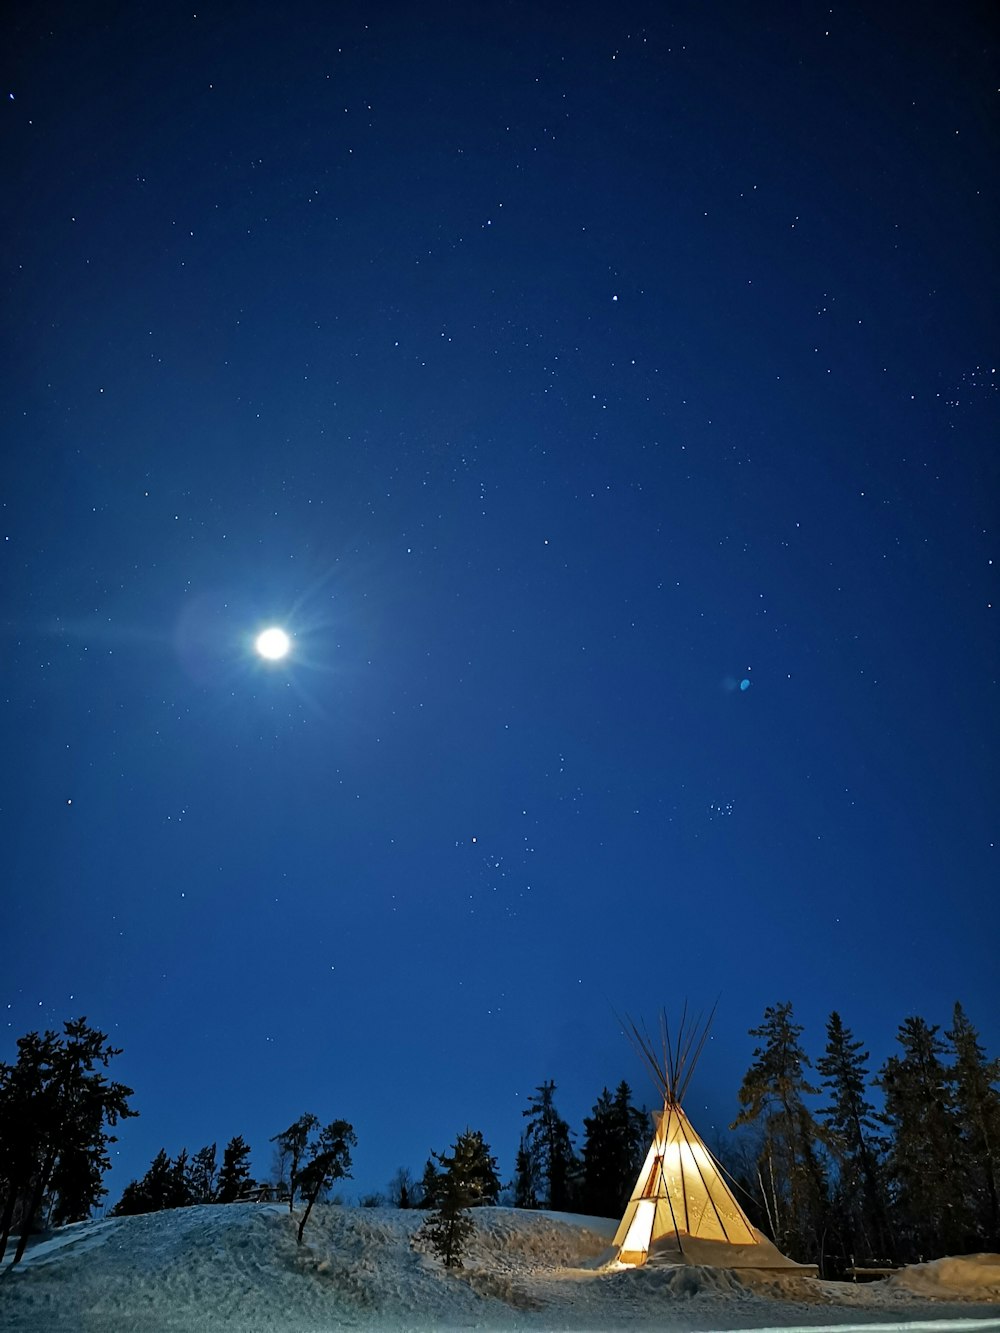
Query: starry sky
x=603 y=399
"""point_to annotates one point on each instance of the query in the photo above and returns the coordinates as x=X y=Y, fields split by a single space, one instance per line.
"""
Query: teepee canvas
x=682 y=1210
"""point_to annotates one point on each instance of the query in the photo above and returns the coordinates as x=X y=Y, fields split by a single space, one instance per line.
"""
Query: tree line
x=846 y=1183
x=839 y=1184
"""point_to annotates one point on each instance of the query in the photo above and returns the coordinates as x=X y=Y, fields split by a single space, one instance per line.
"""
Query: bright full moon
x=273 y=644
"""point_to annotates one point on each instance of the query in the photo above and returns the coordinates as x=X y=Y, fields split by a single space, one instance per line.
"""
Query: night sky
x=602 y=397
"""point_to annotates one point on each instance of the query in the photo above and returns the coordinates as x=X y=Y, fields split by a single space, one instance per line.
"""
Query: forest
x=839 y=1164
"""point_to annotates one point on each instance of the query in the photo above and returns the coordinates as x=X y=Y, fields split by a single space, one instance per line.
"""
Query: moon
x=273 y=643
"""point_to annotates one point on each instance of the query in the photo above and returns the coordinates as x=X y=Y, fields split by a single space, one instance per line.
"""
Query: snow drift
x=238 y=1266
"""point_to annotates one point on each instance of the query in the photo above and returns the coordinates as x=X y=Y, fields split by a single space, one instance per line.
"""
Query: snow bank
x=238 y=1267
x=974 y=1277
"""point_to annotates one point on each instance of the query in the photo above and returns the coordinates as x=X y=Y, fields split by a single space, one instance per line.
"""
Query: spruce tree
x=131 y=1203
x=860 y=1199
x=974 y=1082
x=202 y=1175
x=926 y=1164
x=179 y=1183
x=549 y=1144
x=152 y=1193
x=773 y=1094
x=477 y=1165
x=234 y=1177
x=615 y=1141
x=430 y=1184
x=525 y=1178
x=450 y=1225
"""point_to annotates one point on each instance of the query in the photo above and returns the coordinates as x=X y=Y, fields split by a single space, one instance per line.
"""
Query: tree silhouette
x=329 y=1160
x=615 y=1140
x=977 y=1105
x=549 y=1145
x=55 y=1109
x=860 y=1197
x=458 y=1190
x=773 y=1093
x=294 y=1145
x=203 y=1174
x=234 y=1177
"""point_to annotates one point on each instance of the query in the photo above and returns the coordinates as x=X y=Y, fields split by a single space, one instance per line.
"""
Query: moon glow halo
x=273 y=644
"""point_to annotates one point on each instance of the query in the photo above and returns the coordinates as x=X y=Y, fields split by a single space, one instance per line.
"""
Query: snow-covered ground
x=237 y=1267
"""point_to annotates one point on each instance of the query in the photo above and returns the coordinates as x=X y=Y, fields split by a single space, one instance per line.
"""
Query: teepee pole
x=664 y=1185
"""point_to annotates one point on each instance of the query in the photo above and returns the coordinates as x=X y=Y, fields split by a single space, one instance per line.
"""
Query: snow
x=238 y=1267
x=976 y=1276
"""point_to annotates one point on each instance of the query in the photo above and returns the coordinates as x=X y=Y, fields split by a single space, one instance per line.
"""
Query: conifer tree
x=202 y=1175
x=450 y=1225
x=860 y=1199
x=615 y=1141
x=549 y=1144
x=152 y=1193
x=773 y=1093
x=130 y=1204
x=234 y=1177
x=56 y=1106
x=329 y=1160
x=927 y=1180
x=477 y=1166
x=179 y=1184
x=430 y=1183
x=525 y=1178
x=974 y=1082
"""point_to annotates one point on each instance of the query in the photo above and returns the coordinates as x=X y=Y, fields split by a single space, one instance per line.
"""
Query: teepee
x=682 y=1210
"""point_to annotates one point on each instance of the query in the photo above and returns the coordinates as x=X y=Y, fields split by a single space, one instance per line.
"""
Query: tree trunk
x=28 y=1218
x=41 y=1184
x=305 y=1216
x=13 y=1191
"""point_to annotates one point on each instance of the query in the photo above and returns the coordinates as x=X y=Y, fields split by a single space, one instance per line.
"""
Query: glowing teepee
x=682 y=1210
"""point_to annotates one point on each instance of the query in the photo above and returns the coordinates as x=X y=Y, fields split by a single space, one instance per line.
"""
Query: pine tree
x=614 y=1145
x=234 y=1177
x=55 y=1109
x=549 y=1143
x=773 y=1092
x=860 y=1199
x=295 y=1145
x=204 y=1170
x=450 y=1225
x=927 y=1181
x=329 y=1160
x=977 y=1104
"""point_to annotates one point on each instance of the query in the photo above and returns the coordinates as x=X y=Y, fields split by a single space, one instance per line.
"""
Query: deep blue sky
x=547 y=371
